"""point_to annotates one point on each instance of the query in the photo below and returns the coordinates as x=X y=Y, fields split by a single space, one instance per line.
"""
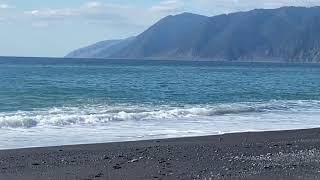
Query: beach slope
x=264 y=155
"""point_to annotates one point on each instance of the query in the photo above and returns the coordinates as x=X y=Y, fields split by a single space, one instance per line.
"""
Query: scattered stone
x=267 y=167
x=162 y=161
x=99 y=175
x=105 y=157
x=133 y=160
x=117 y=166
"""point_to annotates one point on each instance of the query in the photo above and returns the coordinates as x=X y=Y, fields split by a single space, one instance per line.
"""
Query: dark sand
x=266 y=155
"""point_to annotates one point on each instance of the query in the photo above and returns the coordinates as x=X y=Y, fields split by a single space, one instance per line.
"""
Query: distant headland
x=287 y=34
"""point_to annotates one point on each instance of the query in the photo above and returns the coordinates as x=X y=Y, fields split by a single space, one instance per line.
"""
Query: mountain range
x=287 y=34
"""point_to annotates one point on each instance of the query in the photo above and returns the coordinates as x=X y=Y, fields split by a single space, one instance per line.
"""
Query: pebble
x=105 y=157
x=117 y=166
x=133 y=160
x=99 y=175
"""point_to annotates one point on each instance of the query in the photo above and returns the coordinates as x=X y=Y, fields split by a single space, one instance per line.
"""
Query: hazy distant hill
x=284 y=34
x=101 y=49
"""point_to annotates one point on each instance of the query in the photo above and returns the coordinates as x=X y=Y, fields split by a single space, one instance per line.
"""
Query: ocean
x=49 y=102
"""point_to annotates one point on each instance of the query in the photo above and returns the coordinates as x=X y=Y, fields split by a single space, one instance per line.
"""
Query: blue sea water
x=46 y=102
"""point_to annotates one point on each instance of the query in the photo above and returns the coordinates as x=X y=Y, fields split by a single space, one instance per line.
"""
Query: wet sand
x=263 y=155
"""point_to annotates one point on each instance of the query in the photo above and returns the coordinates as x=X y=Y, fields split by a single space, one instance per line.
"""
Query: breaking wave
x=103 y=114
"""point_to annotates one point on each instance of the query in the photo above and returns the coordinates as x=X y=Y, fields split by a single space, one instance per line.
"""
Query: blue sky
x=55 y=27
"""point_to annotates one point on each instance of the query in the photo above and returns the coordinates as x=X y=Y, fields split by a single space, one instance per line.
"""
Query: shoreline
x=182 y=60
x=292 y=154
x=145 y=140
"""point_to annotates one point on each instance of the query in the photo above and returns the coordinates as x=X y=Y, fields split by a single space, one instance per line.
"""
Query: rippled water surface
x=45 y=102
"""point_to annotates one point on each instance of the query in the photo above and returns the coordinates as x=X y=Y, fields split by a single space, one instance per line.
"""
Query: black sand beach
x=264 y=155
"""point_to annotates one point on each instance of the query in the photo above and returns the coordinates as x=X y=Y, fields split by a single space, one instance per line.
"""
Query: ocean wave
x=103 y=114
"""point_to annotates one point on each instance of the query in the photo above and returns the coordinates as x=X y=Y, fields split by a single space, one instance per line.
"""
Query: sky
x=52 y=28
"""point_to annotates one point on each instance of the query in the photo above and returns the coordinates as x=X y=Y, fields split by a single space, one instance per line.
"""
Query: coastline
x=293 y=154
x=168 y=59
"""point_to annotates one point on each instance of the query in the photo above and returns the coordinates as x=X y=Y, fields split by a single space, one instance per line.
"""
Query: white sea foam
x=103 y=114
x=106 y=123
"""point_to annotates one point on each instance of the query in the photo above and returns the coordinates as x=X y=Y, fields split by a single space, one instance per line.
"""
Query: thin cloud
x=87 y=10
x=94 y=4
x=132 y=15
x=6 y=6
x=108 y=13
x=52 y=13
x=169 y=6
